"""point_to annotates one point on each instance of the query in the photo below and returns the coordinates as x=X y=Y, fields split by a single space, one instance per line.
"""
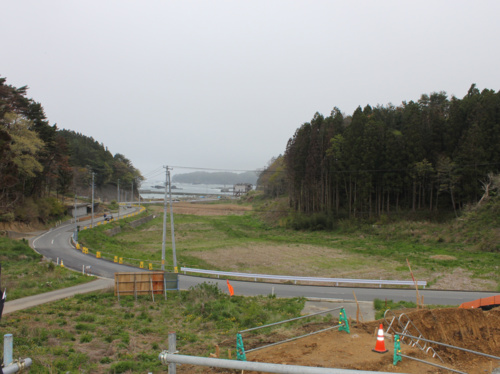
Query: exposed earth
x=472 y=329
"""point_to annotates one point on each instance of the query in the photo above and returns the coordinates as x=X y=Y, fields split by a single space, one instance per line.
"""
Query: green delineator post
x=397 y=350
x=240 y=349
x=343 y=321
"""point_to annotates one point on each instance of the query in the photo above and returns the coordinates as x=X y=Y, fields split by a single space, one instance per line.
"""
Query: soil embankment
x=475 y=330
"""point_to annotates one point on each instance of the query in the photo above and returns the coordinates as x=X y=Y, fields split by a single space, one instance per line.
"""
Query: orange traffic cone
x=380 y=345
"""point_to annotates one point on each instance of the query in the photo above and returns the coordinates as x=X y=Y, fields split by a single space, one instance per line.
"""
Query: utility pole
x=132 y=192
x=118 y=199
x=164 y=222
x=92 y=220
x=75 y=236
x=172 y=221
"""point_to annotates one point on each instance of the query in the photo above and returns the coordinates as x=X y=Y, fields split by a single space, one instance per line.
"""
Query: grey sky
x=225 y=84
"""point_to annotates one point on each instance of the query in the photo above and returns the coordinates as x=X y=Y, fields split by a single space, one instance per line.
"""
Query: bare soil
x=475 y=330
x=201 y=209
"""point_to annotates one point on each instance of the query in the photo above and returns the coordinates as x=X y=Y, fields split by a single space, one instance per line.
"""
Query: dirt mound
x=472 y=329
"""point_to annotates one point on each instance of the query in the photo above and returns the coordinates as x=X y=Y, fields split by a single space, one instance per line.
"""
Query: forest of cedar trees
x=436 y=154
x=39 y=164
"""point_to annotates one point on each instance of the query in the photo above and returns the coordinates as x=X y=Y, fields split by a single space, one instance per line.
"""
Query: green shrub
x=7 y=217
x=123 y=366
x=105 y=360
x=382 y=305
x=27 y=212
x=86 y=318
x=84 y=327
x=86 y=338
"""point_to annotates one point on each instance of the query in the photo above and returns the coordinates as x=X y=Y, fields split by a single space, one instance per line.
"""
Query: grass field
x=96 y=333
x=213 y=237
x=25 y=274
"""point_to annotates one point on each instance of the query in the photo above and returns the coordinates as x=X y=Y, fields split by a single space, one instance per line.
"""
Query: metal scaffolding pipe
x=450 y=346
x=292 y=339
x=17 y=366
x=290 y=320
x=168 y=358
x=431 y=363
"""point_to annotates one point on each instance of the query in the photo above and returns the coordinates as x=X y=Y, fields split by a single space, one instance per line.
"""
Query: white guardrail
x=380 y=282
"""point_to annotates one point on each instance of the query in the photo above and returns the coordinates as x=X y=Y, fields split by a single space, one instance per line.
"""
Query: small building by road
x=241 y=188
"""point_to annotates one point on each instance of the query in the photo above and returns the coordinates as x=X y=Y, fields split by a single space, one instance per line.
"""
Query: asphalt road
x=56 y=244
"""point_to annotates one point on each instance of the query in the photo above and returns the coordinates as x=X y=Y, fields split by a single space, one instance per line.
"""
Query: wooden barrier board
x=144 y=283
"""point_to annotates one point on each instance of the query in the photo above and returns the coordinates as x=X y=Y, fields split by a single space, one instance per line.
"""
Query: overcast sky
x=224 y=84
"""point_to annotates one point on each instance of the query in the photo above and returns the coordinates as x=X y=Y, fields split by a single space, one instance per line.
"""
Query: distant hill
x=216 y=177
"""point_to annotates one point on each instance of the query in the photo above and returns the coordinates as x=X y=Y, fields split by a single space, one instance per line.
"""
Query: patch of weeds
x=145 y=357
x=61 y=334
x=62 y=365
x=123 y=366
x=84 y=327
x=145 y=330
x=382 y=305
x=144 y=316
x=127 y=303
x=109 y=338
x=184 y=337
x=58 y=351
x=86 y=338
x=85 y=318
x=125 y=337
x=105 y=360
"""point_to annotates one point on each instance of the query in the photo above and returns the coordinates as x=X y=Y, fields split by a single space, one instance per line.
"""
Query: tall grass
x=25 y=274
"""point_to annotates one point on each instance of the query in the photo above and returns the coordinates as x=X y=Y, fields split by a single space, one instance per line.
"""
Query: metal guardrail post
x=172 y=349
x=9 y=365
x=7 y=349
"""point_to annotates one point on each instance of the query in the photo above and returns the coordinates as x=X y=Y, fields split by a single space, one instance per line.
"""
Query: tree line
x=434 y=154
x=40 y=163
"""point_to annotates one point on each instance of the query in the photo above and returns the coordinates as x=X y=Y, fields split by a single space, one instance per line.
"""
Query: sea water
x=185 y=189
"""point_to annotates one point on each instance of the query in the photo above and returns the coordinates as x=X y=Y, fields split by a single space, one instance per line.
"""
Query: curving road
x=56 y=244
